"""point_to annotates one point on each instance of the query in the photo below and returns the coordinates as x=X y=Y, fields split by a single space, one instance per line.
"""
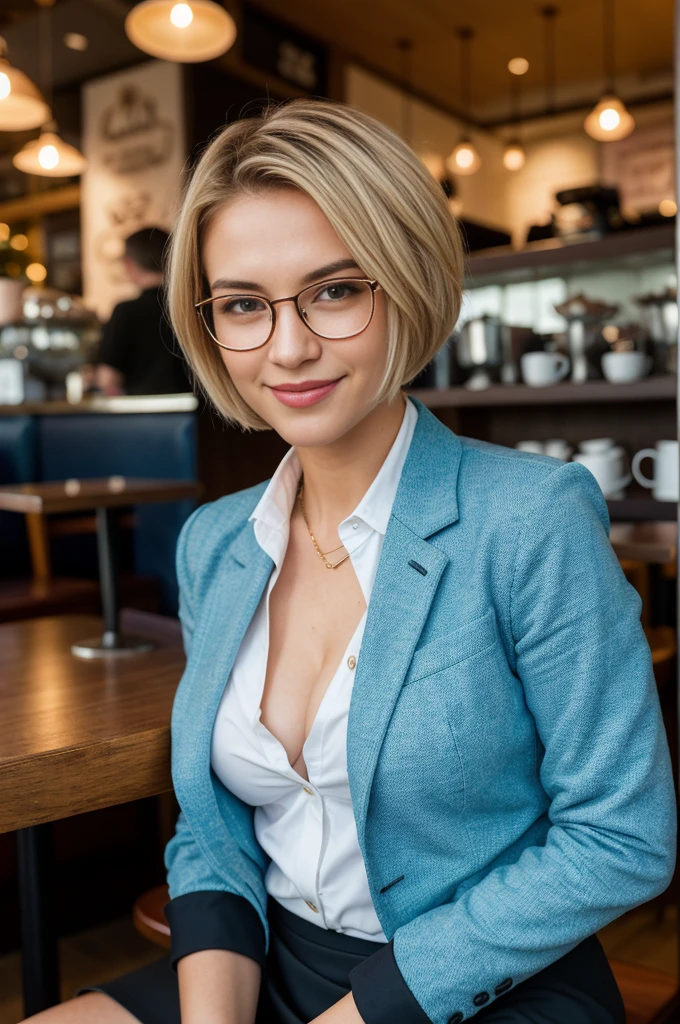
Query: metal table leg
x=113 y=642
x=39 y=959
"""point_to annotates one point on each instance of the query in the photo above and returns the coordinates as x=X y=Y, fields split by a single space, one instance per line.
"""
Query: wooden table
x=76 y=736
x=652 y=543
x=105 y=495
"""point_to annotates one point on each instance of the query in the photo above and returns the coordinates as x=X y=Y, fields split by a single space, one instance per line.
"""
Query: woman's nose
x=292 y=342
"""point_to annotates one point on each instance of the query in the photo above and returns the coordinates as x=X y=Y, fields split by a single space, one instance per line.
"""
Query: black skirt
x=308 y=971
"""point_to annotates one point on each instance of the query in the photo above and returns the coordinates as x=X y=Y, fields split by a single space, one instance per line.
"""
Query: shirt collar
x=273 y=511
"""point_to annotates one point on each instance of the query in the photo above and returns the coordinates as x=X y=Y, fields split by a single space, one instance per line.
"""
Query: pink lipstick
x=306 y=392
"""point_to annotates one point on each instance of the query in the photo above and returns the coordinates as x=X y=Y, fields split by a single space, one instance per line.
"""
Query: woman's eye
x=334 y=292
x=240 y=306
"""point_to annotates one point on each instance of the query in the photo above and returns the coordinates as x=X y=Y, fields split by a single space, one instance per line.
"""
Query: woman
x=417 y=746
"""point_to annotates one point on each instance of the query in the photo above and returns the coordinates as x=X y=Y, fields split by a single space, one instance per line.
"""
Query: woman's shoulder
x=518 y=482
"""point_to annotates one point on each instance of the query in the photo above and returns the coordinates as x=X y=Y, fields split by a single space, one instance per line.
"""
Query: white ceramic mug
x=596 y=445
x=535 y=447
x=607 y=468
x=558 y=448
x=541 y=369
x=625 y=367
x=664 y=485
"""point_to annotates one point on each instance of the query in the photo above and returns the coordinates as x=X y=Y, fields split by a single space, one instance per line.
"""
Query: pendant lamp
x=514 y=156
x=609 y=120
x=50 y=156
x=21 y=103
x=182 y=32
x=464 y=159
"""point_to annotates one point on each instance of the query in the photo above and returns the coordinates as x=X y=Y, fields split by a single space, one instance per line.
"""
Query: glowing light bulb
x=5 y=86
x=609 y=119
x=19 y=242
x=514 y=157
x=4 y=232
x=668 y=208
x=48 y=157
x=465 y=157
x=181 y=15
x=36 y=272
x=518 y=66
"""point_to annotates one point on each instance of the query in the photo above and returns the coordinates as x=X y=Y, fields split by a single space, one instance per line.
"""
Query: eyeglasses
x=335 y=310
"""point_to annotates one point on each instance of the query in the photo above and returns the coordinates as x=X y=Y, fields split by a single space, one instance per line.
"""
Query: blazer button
x=456 y=1018
x=503 y=987
x=481 y=998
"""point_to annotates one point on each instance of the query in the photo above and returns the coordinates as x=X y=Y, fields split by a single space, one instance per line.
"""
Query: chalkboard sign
x=275 y=47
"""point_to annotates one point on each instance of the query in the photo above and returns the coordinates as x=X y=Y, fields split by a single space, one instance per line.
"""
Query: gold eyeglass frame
x=302 y=313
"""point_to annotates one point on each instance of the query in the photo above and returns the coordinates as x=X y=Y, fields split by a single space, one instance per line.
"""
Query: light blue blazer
x=506 y=754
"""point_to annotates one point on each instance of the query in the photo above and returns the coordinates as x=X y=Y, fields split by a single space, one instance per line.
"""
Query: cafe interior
x=551 y=129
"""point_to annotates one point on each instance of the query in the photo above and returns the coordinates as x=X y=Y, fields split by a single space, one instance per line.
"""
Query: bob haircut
x=378 y=196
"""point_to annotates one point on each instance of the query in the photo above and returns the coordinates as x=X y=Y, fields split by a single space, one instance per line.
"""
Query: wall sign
x=285 y=52
x=642 y=167
x=134 y=141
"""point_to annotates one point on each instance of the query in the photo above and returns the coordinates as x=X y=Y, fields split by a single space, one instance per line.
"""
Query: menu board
x=134 y=141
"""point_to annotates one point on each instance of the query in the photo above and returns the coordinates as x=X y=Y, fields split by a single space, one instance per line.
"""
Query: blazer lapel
x=240 y=582
x=406 y=582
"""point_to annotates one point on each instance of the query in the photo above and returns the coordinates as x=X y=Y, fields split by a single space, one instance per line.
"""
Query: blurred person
x=417 y=747
x=138 y=353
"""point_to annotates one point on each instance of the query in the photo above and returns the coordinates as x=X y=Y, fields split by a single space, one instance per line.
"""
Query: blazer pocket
x=452 y=648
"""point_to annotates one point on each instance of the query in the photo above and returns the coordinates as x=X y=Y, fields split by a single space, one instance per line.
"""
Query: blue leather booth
x=18 y=464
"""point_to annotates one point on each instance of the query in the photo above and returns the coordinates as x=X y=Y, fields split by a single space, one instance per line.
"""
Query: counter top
x=101 y=404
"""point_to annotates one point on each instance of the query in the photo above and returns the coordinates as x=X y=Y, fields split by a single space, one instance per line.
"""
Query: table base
x=113 y=645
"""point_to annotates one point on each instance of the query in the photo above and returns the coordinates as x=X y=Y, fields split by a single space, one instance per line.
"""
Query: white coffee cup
x=558 y=448
x=541 y=369
x=596 y=445
x=664 y=485
x=534 y=447
x=625 y=367
x=607 y=468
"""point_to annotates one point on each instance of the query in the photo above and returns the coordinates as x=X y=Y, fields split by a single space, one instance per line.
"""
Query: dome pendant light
x=464 y=159
x=514 y=156
x=50 y=156
x=609 y=120
x=21 y=103
x=182 y=32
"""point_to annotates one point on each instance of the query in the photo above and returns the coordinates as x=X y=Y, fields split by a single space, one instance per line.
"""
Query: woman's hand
x=343 y=1012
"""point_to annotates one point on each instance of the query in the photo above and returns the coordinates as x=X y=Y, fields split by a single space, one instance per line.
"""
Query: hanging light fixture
x=48 y=155
x=609 y=120
x=464 y=159
x=21 y=103
x=182 y=32
x=514 y=156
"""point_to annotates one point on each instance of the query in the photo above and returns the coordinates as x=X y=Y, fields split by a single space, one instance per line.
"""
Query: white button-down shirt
x=306 y=826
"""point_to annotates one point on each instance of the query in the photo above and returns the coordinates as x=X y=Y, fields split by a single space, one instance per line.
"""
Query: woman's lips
x=297 y=396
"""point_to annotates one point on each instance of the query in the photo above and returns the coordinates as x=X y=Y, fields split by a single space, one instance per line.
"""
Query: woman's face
x=311 y=390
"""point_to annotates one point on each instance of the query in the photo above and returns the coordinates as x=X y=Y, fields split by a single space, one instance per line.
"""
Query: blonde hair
x=378 y=196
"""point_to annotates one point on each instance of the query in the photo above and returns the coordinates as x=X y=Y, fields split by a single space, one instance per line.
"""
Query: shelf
x=542 y=260
x=642 y=510
x=648 y=390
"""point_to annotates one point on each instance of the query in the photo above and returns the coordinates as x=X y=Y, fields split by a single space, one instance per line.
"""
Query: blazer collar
x=427 y=497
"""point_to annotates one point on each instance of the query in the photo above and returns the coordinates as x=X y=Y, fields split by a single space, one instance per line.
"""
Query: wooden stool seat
x=148 y=917
x=663 y=643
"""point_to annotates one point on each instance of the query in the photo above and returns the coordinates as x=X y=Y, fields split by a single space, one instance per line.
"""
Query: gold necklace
x=322 y=556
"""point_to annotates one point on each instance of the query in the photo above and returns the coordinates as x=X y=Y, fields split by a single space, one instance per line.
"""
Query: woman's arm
x=218 y=987
x=603 y=761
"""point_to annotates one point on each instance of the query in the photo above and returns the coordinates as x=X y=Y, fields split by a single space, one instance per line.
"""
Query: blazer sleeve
x=585 y=666
x=202 y=913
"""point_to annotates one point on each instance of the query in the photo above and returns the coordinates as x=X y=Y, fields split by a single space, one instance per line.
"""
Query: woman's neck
x=338 y=475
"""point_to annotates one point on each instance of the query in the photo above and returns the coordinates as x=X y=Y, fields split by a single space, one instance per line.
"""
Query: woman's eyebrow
x=315 y=275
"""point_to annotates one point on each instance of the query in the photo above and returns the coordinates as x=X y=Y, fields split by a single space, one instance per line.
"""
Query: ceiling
x=368 y=31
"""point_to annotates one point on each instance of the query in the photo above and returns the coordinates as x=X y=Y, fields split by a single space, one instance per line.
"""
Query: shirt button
x=312 y=907
x=355 y=525
x=308 y=791
x=351 y=661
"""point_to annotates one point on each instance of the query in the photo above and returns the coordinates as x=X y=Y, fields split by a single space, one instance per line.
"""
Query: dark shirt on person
x=139 y=343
